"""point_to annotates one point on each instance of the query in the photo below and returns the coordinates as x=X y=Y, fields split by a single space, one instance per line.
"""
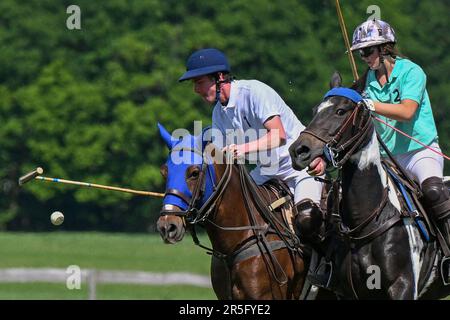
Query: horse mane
x=360 y=84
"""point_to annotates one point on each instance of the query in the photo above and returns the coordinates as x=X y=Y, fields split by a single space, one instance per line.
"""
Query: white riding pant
x=301 y=184
x=423 y=163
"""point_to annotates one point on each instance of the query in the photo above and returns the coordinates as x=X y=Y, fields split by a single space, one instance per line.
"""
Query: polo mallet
x=346 y=41
x=36 y=174
x=30 y=176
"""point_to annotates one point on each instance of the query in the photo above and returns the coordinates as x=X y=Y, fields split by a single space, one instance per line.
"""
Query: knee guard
x=308 y=220
x=437 y=197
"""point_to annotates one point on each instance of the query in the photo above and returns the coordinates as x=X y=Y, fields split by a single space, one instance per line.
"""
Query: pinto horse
x=373 y=247
x=255 y=255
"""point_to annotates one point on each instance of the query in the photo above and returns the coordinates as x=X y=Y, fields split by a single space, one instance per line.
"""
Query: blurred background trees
x=84 y=104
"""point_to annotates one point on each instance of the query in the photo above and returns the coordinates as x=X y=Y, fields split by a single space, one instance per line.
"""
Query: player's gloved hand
x=369 y=104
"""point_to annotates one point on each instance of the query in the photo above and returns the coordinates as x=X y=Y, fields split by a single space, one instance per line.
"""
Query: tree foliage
x=84 y=104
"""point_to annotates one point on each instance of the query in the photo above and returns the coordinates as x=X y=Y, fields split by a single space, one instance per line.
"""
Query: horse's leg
x=220 y=279
x=295 y=288
x=401 y=289
x=253 y=279
x=393 y=254
x=250 y=280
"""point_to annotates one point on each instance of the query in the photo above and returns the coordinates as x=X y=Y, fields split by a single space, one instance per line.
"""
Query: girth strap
x=254 y=250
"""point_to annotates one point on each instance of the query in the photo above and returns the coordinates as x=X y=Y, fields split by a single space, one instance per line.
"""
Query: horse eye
x=195 y=174
x=340 y=112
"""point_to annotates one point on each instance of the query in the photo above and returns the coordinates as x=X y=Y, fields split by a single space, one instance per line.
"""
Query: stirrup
x=445 y=270
x=321 y=279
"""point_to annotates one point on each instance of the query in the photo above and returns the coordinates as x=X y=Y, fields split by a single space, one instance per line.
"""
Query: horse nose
x=170 y=232
x=162 y=230
x=302 y=152
x=166 y=229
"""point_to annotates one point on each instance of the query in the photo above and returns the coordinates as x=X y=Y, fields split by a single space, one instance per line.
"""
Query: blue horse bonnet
x=184 y=153
x=344 y=92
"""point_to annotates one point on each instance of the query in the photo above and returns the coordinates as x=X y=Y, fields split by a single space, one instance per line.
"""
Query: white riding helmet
x=372 y=33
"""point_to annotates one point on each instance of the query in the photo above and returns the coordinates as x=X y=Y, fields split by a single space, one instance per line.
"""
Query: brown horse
x=255 y=255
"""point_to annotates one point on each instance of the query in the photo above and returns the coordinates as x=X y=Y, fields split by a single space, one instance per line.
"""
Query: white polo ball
x=57 y=218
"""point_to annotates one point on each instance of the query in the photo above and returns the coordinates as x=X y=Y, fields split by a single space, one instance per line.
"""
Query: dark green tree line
x=84 y=104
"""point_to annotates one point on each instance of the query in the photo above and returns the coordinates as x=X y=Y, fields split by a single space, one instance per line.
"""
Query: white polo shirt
x=252 y=103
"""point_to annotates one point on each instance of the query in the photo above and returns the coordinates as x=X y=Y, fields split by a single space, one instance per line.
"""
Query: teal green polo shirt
x=407 y=81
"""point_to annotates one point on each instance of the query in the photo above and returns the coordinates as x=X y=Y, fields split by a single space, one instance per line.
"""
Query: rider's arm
x=275 y=137
x=403 y=111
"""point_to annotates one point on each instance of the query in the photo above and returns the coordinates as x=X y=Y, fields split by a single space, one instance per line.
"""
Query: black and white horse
x=376 y=251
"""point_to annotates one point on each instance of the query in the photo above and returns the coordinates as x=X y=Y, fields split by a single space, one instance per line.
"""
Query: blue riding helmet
x=184 y=153
x=205 y=61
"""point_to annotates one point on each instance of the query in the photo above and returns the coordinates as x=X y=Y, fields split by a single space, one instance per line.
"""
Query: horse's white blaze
x=324 y=105
x=416 y=246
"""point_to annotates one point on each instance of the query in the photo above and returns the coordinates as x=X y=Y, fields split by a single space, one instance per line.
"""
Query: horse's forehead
x=324 y=105
x=333 y=101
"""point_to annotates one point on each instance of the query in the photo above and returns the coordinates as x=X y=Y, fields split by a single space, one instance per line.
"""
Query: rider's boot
x=309 y=221
x=437 y=198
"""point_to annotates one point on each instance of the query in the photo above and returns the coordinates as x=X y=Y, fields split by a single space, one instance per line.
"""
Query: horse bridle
x=332 y=148
x=193 y=214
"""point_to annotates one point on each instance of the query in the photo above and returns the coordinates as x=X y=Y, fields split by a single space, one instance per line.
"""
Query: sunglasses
x=365 y=52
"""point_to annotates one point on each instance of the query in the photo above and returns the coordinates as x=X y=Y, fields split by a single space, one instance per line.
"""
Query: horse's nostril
x=302 y=151
x=171 y=228
x=161 y=229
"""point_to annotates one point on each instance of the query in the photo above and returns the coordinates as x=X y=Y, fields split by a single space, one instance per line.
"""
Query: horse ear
x=165 y=135
x=336 y=80
x=359 y=84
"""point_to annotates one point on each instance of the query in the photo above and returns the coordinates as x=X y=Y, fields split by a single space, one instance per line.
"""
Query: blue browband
x=344 y=92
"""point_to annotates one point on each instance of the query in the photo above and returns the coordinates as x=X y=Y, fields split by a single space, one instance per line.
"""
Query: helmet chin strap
x=382 y=67
x=218 y=83
x=218 y=86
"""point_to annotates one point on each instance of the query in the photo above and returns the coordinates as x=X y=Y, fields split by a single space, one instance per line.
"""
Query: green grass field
x=102 y=251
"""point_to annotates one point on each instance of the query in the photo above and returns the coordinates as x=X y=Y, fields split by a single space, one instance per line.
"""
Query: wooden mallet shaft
x=30 y=176
x=36 y=174
x=100 y=186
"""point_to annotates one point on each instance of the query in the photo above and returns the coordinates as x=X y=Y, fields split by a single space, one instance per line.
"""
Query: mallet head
x=30 y=176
